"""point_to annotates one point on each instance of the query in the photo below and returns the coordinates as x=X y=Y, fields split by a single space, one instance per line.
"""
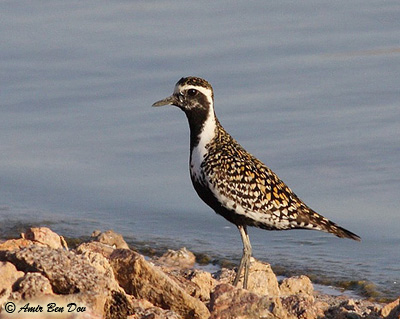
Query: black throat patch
x=197 y=117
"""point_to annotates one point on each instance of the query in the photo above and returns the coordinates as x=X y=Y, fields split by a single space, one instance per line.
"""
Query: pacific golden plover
x=233 y=182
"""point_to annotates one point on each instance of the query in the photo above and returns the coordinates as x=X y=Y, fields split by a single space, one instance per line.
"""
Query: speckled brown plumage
x=245 y=180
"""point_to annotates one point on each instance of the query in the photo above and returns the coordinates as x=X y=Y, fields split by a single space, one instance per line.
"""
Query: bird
x=234 y=183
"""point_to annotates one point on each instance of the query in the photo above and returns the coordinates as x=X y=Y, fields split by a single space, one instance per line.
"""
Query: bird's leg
x=245 y=261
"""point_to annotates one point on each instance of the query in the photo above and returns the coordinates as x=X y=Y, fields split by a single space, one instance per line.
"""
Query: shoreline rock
x=108 y=280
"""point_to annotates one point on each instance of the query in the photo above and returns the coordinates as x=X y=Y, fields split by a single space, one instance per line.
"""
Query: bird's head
x=190 y=94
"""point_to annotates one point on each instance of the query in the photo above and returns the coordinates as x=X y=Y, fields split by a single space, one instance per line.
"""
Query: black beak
x=170 y=100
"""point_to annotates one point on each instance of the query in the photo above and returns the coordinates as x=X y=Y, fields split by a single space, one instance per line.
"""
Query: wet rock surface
x=112 y=281
x=179 y=259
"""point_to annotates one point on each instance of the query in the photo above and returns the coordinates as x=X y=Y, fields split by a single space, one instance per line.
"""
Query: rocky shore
x=40 y=277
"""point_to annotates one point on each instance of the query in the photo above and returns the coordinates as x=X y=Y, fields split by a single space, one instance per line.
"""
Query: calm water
x=310 y=88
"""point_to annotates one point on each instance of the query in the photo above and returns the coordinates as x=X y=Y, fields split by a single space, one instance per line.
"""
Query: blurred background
x=311 y=88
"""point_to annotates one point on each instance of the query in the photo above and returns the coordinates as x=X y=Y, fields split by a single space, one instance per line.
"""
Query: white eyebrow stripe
x=205 y=91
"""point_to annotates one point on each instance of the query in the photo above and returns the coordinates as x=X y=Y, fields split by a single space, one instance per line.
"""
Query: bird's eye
x=192 y=92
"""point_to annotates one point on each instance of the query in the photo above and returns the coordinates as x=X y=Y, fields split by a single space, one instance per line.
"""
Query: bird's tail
x=333 y=228
x=341 y=232
x=319 y=222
